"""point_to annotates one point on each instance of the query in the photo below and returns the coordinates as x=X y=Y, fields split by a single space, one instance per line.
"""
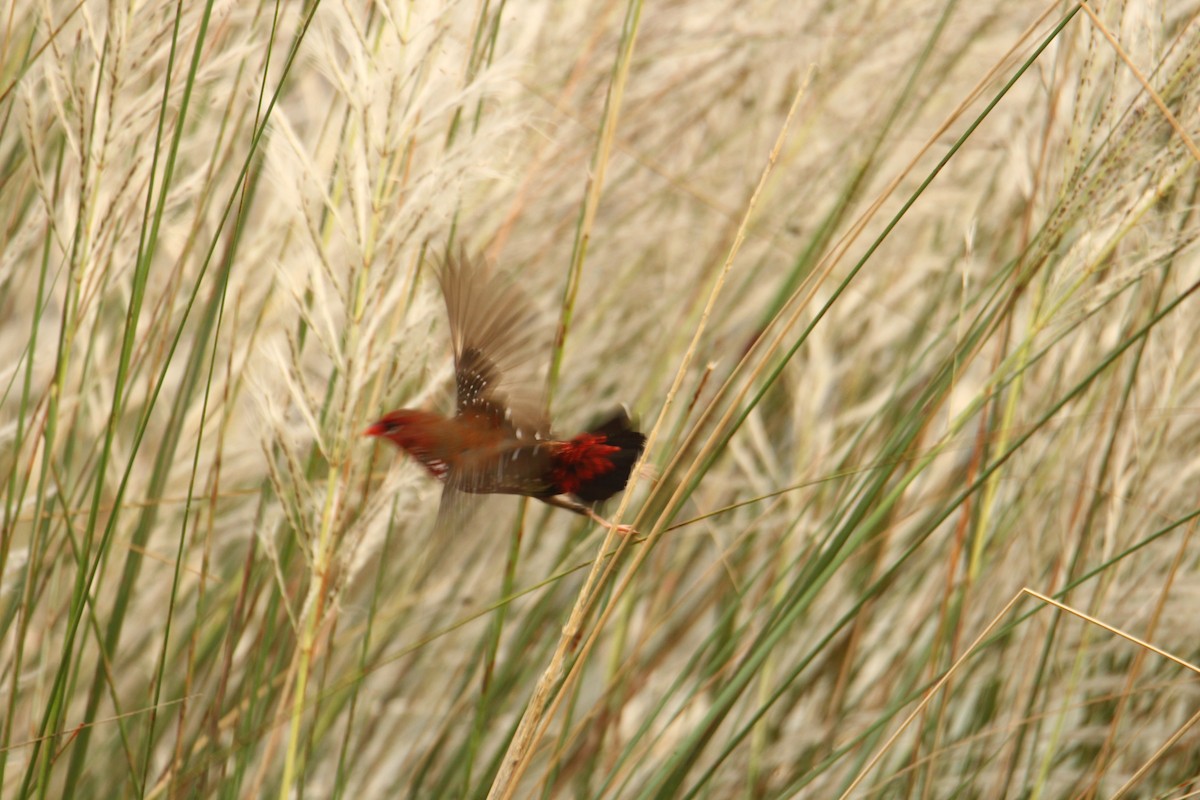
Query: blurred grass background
x=925 y=342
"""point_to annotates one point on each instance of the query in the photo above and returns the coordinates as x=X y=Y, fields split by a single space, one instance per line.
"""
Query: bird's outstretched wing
x=494 y=333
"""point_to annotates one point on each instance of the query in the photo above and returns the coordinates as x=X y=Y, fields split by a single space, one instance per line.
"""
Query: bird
x=499 y=440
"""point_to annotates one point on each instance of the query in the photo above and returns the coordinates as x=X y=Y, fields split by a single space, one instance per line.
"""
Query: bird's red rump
x=580 y=460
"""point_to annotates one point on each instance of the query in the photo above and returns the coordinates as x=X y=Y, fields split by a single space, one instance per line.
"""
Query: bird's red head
x=406 y=428
x=420 y=433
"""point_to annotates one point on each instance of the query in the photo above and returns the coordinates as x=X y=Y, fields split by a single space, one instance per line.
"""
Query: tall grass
x=903 y=294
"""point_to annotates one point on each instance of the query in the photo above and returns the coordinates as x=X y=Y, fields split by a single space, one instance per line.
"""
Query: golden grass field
x=902 y=293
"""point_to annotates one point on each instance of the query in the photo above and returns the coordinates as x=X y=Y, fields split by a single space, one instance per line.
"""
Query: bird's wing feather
x=492 y=328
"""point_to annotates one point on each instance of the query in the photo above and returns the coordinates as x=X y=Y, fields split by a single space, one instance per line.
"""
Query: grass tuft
x=904 y=298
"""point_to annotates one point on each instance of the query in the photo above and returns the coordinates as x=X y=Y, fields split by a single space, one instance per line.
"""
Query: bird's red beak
x=376 y=429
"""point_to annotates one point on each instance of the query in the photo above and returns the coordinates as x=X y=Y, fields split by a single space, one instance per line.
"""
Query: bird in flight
x=499 y=440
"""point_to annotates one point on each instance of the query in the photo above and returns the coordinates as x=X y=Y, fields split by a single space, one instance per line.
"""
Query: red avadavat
x=499 y=440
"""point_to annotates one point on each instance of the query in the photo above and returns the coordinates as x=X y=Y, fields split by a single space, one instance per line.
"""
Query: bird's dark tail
x=596 y=465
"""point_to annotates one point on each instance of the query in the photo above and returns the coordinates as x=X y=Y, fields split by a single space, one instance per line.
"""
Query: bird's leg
x=580 y=508
x=624 y=530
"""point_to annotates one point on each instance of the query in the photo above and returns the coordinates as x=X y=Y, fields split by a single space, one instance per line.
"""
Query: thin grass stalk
x=152 y=217
x=594 y=186
x=519 y=756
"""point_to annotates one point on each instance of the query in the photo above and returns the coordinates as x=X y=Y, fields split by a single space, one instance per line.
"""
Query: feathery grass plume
x=953 y=356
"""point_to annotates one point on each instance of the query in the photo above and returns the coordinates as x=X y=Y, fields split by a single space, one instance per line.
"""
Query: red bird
x=499 y=440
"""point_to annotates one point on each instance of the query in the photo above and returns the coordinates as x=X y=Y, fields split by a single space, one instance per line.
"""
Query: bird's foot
x=624 y=530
